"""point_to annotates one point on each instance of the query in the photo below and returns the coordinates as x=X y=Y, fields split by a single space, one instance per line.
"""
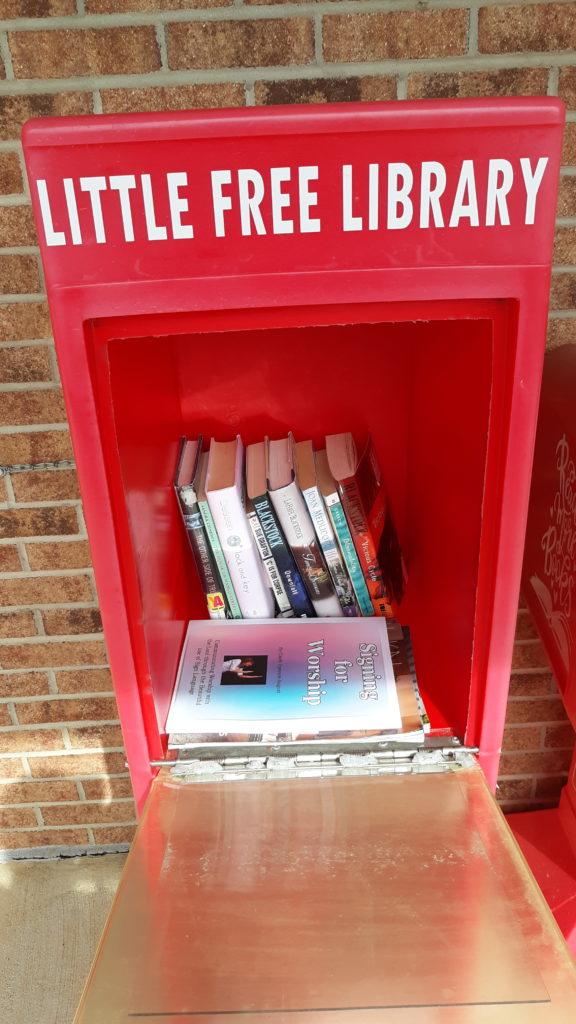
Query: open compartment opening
x=427 y=393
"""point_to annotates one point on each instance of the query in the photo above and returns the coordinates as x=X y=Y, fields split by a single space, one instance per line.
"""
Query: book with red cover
x=364 y=500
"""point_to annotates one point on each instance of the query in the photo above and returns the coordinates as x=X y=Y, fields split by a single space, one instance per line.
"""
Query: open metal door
x=347 y=900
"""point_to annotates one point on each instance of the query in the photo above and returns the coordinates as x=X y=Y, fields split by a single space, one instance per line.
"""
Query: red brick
x=395 y=35
x=37 y=792
x=173 y=97
x=463 y=84
x=34 y=590
x=567 y=197
x=17 y=226
x=35 y=446
x=563 y=291
x=75 y=765
x=39 y=522
x=105 y=737
x=18 y=274
x=24 y=408
x=63 y=621
x=20 y=741
x=521 y=28
x=545 y=709
x=60 y=555
x=16 y=110
x=67 y=710
x=326 y=90
x=525 y=628
x=529 y=655
x=518 y=806
x=24 y=684
x=52 y=655
x=17 y=817
x=5 y=719
x=560 y=736
x=561 y=332
x=71 y=53
x=114 y=834
x=9 y=558
x=216 y=44
x=107 y=789
x=36 y=8
x=569 y=144
x=89 y=814
x=550 y=787
x=13 y=624
x=11 y=768
x=153 y=6
x=21 y=365
x=527 y=763
x=23 y=321
x=515 y=789
x=565 y=246
x=46 y=485
x=522 y=738
x=567 y=86
x=10 y=174
x=50 y=837
x=90 y=680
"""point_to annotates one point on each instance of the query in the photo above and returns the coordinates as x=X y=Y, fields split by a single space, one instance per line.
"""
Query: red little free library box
x=384 y=269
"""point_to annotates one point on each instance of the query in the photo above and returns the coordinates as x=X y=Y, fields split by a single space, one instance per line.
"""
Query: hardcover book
x=362 y=493
x=186 y=471
x=256 y=488
x=286 y=675
x=226 y=498
x=277 y=586
x=213 y=538
x=306 y=478
x=297 y=526
x=329 y=490
x=415 y=722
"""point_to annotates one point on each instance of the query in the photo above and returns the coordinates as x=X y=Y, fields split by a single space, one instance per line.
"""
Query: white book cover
x=298 y=528
x=225 y=493
x=285 y=675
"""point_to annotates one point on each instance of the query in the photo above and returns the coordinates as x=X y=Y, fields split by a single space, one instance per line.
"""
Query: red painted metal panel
x=549 y=572
x=431 y=338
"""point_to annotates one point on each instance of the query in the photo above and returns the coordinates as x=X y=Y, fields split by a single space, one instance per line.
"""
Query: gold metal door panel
x=329 y=901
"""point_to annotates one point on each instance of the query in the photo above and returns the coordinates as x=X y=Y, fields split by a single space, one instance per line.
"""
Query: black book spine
x=204 y=558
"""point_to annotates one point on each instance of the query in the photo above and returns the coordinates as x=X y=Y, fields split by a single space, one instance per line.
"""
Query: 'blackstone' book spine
x=283 y=557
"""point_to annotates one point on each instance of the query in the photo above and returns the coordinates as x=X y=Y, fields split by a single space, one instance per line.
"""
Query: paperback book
x=297 y=526
x=291 y=676
x=412 y=731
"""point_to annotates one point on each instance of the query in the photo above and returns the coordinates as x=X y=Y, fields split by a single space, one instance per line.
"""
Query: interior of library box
x=373 y=373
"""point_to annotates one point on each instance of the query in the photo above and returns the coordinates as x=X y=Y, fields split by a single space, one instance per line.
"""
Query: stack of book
x=283 y=681
x=281 y=530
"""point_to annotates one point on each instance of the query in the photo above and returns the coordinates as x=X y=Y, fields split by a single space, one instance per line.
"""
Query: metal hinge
x=390 y=762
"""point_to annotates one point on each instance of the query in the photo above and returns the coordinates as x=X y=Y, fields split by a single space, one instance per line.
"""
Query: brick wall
x=62 y=775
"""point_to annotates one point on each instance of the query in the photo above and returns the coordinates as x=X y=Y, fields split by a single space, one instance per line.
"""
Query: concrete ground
x=52 y=913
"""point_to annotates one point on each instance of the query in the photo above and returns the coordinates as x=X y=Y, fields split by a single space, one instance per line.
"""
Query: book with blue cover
x=285 y=675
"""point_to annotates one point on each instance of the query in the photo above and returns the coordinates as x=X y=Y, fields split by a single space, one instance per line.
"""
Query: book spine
x=340 y=524
x=214 y=541
x=328 y=543
x=365 y=547
x=292 y=580
x=280 y=595
x=243 y=561
x=426 y=726
x=297 y=527
x=205 y=563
